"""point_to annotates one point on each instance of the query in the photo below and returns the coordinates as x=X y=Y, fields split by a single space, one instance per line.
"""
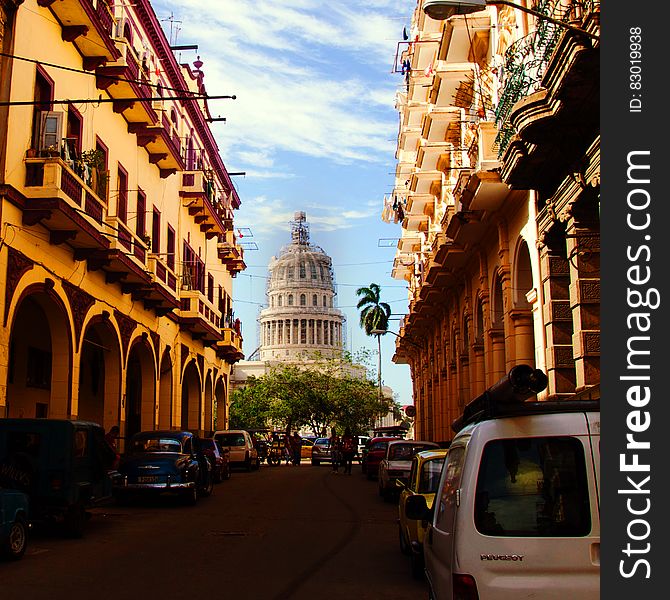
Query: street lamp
x=444 y=9
x=405 y=338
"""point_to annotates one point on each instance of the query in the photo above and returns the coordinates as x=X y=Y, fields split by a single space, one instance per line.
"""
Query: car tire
x=404 y=546
x=75 y=521
x=247 y=465
x=416 y=564
x=17 y=540
x=226 y=473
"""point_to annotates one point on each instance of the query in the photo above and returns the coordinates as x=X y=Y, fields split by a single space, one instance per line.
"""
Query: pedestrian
x=348 y=450
x=296 y=448
x=111 y=438
x=334 y=441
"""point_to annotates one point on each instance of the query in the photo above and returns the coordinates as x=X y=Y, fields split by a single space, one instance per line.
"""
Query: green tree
x=374 y=315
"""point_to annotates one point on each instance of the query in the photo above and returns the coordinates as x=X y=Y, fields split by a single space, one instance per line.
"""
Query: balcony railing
x=127 y=241
x=195 y=304
x=526 y=60
x=52 y=176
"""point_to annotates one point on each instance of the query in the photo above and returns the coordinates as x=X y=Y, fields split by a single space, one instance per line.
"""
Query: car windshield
x=404 y=451
x=322 y=442
x=379 y=446
x=430 y=475
x=155 y=444
x=230 y=439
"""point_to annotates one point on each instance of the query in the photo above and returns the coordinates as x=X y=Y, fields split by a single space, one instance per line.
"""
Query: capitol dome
x=301 y=317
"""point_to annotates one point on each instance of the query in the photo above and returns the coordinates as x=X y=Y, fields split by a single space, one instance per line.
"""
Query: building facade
x=497 y=195
x=117 y=249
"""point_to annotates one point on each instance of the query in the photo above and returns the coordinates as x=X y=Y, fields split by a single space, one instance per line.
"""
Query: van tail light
x=465 y=587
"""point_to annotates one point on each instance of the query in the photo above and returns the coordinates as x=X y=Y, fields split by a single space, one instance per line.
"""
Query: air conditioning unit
x=120 y=26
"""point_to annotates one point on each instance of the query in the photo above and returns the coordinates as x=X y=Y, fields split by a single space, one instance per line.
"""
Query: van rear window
x=533 y=487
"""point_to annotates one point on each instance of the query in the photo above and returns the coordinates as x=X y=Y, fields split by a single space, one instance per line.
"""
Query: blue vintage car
x=13 y=523
x=164 y=462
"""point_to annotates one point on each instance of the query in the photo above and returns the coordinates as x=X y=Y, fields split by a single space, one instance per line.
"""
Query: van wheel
x=247 y=465
x=17 y=540
x=416 y=564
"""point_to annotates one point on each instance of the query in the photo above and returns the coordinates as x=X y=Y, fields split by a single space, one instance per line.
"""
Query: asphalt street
x=277 y=533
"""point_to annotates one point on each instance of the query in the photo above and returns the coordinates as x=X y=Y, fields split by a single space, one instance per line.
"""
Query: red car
x=217 y=457
x=376 y=452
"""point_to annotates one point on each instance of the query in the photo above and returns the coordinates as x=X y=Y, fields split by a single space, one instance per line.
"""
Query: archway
x=140 y=388
x=190 y=398
x=209 y=400
x=221 y=404
x=165 y=420
x=39 y=377
x=100 y=375
x=524 y=336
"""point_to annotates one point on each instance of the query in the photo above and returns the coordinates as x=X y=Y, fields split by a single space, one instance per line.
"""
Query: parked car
x=64 y=467
x=165 y=462
x=361 y=446
x=306 y=448
x=375 y=454
x=321 y=451
x=424 y=475
x=396 y=464
x=219 y=458
x=13 y=523
x=241 y=447
x=519 y=488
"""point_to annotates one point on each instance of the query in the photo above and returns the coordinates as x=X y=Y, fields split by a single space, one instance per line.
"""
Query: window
x=141 y=219
x=279 y=300
x=324 y=301
x=290 y=299
x=533 y=487
x=312 y=270
x=43 y=96
x=303 y=273
x=315 y=300
x=290 y=273
x=303 y=300
x=210 y=287
x=51 y=131
x=170 y=248
x=122 y=201
x=156 y=231
x=430 y=476
x=38 y=370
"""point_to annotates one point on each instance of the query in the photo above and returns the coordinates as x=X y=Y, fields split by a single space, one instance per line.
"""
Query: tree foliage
x=374 y=314
x=317 y=393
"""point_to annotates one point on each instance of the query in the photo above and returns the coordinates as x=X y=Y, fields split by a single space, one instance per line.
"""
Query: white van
x=516 y=514
x=240 y=446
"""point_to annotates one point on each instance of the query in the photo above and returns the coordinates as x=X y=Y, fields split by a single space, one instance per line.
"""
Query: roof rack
x=508 y=398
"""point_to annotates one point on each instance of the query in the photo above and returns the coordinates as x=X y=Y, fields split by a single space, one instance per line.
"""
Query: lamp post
x=444 y=9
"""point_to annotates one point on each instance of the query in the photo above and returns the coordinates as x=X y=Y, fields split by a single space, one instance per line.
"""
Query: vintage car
x=376 y=452
x=424 y=476
x=321 y=451
x=63 y=466
x=164 y=462
x=13 y=524
x=395 y=465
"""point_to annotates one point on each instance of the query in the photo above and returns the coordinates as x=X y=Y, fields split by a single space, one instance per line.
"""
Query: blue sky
x=314 y=127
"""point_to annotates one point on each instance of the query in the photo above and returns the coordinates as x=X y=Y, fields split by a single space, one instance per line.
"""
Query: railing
x=104 y=13
x=127 y=241
x=53 y=173
x=526 y=61
x=193 y=301
x=162 y=272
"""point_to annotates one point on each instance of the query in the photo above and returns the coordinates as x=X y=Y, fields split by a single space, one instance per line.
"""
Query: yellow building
x=117 y=250
x=497 y=193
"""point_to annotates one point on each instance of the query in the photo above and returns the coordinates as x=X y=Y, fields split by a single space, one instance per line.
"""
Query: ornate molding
x=80 y=303
x=17 y=265
x=126 y=328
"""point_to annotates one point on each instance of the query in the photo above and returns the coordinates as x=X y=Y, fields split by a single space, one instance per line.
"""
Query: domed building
x=301 y=318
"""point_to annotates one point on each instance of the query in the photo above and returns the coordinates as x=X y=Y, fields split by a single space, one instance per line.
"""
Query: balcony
x=426 y=182
x=126 y=80
x=162 y=143
x=231 y=254
x=60 y=200
x=230 y=347
x=89 y=25
x=199 y=194
x=420 y=204
x=199 y=316
x=453 y=84
x=164 y=295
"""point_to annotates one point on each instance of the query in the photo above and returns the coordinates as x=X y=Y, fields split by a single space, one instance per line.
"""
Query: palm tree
x=374 y=317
